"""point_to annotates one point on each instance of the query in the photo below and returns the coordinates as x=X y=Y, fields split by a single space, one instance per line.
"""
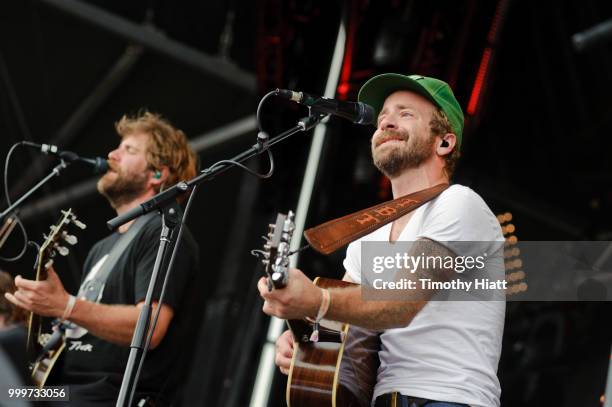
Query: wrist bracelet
x=69 y=308
x=323 y=308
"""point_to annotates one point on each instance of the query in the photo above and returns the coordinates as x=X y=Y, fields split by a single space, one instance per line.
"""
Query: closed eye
x=131 y=149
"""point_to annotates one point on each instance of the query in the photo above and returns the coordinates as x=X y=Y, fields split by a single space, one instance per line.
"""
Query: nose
x=114 y=155
x=388 y=122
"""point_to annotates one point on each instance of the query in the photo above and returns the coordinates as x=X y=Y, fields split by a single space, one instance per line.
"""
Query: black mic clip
x=312 y=120
x=262 y=141
x=67 y=156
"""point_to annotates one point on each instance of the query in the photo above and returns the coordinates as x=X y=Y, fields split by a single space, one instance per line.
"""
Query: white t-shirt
x=450 y=350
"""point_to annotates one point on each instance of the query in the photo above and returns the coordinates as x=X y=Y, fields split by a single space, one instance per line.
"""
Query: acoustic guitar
x=339 y=369
x=49 y=347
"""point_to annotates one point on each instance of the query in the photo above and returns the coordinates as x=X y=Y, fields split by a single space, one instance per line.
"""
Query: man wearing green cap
x=433 y=353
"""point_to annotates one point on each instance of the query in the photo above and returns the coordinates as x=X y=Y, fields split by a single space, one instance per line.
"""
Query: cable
x=6 y=165
x=262 y=139
x=8 y=201
x=301 y=249
x=247 y=169
x=259 y=107
x=261 y=254
x=26 y=243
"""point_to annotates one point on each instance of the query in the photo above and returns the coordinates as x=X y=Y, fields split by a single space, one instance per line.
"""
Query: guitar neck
x=35 y=321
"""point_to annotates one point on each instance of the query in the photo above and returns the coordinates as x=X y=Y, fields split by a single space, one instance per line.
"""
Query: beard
x=119 y=187
x=412 y=152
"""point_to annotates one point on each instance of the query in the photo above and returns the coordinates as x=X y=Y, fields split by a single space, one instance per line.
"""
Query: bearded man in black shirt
x=152 y=155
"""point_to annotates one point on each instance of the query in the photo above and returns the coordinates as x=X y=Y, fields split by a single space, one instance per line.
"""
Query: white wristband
x=69 y=308
x=325 y=301
x=323 y=308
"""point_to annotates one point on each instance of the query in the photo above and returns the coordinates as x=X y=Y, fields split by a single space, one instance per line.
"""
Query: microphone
x=357 y=112
x=99 y=164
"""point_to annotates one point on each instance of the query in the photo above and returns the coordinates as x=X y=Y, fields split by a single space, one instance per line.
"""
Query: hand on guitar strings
x=47 y=298
x=300 y=298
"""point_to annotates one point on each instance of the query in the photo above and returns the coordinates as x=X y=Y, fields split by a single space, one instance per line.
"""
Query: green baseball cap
x=375 y=91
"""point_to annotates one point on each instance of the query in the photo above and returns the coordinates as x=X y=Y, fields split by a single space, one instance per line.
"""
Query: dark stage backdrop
x=538 y=120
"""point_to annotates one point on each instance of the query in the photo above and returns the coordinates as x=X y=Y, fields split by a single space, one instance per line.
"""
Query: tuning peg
x=70 y=239
x=63 y=251
x=267 y=246
x=78 y=223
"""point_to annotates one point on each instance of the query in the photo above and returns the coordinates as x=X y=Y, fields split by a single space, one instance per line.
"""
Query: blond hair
x=167 y=147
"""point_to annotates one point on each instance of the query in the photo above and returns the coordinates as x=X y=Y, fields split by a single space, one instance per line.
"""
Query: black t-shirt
x=94 y=367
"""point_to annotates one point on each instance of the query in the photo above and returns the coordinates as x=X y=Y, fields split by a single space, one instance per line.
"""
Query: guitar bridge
x=302 y=331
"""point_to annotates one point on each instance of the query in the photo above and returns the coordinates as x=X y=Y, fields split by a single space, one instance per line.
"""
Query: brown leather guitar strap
x=332 y=235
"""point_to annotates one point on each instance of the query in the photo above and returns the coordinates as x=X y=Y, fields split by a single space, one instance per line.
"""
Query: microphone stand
x=170 y=218
x=166 y=203
x=54 y=172
x=171 y=193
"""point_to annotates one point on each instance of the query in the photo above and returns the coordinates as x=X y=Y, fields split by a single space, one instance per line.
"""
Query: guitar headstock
x=58 y=236
x=276 y=250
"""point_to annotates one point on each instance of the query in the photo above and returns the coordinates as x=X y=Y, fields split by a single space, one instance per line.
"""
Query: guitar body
x=42 y=368
x=338 y=370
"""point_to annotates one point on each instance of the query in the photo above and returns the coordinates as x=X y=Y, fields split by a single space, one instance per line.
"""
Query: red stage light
x=479 y=82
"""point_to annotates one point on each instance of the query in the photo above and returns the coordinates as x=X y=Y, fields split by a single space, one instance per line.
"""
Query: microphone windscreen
x=101 y=165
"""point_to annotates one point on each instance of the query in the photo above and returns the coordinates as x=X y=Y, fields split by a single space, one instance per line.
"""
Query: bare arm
x=372 y=314
x=116 y=323
x=113 y=323
x=348 y=306
x=301 y=298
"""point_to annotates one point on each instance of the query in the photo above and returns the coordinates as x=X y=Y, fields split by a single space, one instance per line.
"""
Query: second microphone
x=357 y=112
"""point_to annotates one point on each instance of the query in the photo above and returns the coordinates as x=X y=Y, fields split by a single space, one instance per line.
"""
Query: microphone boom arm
x=54 y=173
x=159 y=200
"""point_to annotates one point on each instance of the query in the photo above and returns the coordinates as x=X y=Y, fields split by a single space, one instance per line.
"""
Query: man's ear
x=158 y=177
x=446 y=144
